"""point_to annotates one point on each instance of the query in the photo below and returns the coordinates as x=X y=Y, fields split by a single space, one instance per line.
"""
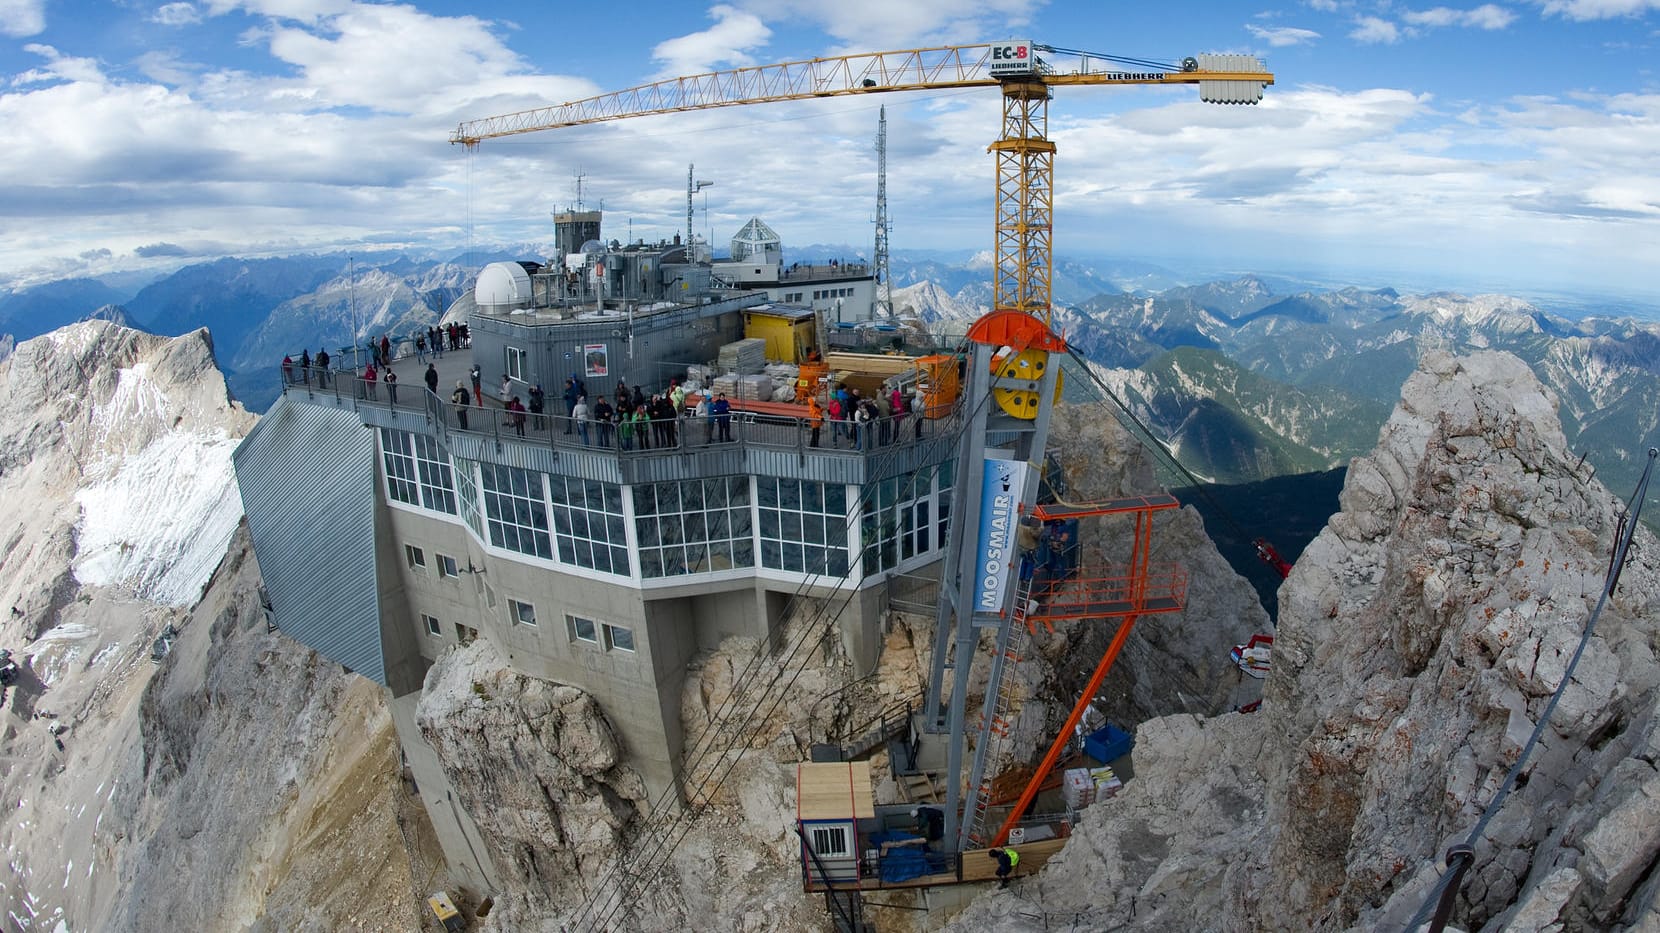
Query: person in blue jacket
x=722 y=412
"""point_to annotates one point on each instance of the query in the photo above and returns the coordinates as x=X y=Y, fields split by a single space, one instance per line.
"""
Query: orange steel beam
x=1059 y=745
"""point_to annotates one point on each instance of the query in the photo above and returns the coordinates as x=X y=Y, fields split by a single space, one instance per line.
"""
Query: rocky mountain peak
x=1420 y=638
x=115 y=446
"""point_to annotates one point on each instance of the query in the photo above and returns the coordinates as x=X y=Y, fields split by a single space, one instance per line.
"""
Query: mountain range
x=1239 y=380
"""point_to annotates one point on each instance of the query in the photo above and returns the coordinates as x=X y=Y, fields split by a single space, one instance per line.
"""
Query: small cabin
x=832 y=799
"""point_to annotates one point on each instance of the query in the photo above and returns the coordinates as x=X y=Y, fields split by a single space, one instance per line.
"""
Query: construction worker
x=1007 y=858
x=815 y=417
x=930 y=822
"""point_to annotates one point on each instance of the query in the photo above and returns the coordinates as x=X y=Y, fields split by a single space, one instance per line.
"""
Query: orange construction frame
x=1139 y=556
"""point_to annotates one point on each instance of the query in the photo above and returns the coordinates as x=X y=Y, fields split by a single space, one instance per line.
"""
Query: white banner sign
x=1004 y=484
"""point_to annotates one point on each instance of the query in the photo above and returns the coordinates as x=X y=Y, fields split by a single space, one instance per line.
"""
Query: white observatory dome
x=502 y=286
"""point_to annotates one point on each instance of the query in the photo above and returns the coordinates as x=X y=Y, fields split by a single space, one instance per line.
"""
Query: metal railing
x=488 y=418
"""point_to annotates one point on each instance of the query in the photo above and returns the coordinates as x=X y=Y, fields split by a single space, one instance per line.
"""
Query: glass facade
x=515 y=509
x=679 y=528
x=803 y=525
x=694 y=526
x=417 y=473
x=905 y=517
x=588 y=524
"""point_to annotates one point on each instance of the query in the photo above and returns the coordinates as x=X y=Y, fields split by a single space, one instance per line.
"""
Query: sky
x=1510 y=147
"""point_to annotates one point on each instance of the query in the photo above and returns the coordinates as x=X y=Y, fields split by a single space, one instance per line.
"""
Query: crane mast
x=884 y=288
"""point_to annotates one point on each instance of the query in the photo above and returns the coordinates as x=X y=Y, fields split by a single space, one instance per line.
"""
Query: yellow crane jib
x=939 y=67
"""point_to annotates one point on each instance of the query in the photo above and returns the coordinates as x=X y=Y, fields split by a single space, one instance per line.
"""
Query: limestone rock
x=1420 y=639
x=536 y=766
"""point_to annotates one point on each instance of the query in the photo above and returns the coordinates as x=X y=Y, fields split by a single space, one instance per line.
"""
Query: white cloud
x=22 y=18
x=880 y=25
x=1279 y=36
x=727 y=43
x=1547 y=186
x=1489 y=16
x=177 y=14
x=1324 y=6
x=1486 y=16
x=345 y=144
x=1598 y=9
x=1371 y=29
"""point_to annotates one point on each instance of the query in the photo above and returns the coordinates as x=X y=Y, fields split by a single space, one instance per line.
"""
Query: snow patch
x=137 y=399
x=161 y=519
x=69 y=631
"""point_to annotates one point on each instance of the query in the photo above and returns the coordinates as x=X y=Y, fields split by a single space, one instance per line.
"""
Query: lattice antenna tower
x=884 y=290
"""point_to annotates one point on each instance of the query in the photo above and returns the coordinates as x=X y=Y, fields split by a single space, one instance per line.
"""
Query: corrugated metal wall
x=307 y=475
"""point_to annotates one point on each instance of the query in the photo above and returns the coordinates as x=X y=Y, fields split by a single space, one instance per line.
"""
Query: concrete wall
x=464 y=850
x=638 y=690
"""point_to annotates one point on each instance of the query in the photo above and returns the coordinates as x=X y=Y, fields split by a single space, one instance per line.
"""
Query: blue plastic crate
x=1108 y=743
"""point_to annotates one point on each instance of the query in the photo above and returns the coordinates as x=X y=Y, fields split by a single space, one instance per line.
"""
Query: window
x=515 y=509
x=583 y=629
x=803 y=525
x=588 y=524
x=831 y=841
x=465 y=634
x=400 y=467
x=898 y=515
x=415 y=556
x=521 y=613
x=432 y=472
x=618 y=637
x=516 y=363
x=447 y=568
x=417 y=471
x=434 y=627
x=466 y=488
x=694 y=526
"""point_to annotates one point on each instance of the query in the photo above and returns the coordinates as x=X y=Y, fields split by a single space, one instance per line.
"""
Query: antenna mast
x=693 y=187
x=884 y=290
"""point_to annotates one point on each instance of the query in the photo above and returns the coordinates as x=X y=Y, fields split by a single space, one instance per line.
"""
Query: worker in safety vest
x=815 y=417
x=1007 y=858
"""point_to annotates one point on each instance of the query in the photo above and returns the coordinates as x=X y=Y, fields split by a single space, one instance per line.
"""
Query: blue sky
x=1494 y=147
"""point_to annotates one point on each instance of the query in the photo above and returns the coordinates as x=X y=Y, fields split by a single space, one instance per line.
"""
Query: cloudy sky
x=1505 y=146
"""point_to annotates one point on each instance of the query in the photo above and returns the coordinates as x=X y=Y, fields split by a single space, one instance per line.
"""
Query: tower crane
x=1022 y=382
x=1024 y=153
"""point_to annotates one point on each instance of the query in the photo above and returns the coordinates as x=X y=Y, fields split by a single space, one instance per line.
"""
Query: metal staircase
x=997 y=715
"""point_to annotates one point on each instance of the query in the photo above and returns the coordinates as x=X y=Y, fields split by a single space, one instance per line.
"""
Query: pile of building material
x=744 y=357
x=1081 y=787
x=783 y=376
x=757 y=387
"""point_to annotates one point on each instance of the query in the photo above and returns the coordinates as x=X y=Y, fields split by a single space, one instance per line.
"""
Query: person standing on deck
x=571 y=395
x=462 y=400
x=538 y=404
x=722 y=410
x=815 y=417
